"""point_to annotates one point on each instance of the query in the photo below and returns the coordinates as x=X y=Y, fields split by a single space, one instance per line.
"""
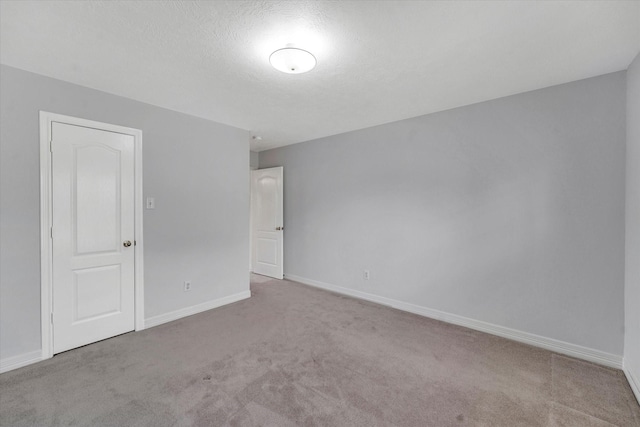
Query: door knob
x=127 y=243
x=279 y=228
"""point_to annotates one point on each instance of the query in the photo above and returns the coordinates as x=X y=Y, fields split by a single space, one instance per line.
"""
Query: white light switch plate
x=151 y=203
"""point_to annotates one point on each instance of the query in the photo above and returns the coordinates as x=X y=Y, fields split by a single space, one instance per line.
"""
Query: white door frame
x=254 y=212
x=46 y=194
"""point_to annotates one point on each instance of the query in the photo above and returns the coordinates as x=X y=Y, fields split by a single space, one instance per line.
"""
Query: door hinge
x=52 y=318
x=51 y=146
x=51 y=231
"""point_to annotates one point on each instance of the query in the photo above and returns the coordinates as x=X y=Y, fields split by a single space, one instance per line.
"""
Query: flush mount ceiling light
x=292 y=60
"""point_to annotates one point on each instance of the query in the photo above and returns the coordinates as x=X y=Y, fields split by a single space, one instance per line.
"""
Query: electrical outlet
x=366 y=275
x=187 y=285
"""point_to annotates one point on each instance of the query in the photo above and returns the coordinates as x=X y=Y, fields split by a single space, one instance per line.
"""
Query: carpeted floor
x=296 y=356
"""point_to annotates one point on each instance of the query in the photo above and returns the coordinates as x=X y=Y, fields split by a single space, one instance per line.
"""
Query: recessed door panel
x=98 y=292
x=96 y=199
x=267 y=251
x=267 y=198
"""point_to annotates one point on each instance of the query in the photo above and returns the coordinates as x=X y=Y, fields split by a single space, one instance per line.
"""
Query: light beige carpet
x=295 y=356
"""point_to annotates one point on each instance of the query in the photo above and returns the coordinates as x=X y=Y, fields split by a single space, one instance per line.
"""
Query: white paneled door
x=92 y=235
x=268 y=229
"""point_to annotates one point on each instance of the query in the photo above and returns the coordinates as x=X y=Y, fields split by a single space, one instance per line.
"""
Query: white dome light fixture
x=292 y=60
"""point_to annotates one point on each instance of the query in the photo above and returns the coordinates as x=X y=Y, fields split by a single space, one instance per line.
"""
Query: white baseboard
x=562 y=347
x=634 y=381
x=15 y=362
x=194 y=309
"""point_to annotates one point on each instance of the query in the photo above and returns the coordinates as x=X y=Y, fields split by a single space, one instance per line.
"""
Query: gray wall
x=509 y=211
x=195 y=169
x=254 y=160
x=632 y=265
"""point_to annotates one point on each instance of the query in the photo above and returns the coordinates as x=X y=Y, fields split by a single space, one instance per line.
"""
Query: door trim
x=254 y=212
x=46 y=194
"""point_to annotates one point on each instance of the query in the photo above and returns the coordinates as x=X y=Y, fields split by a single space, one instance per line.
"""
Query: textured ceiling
x=377 y=61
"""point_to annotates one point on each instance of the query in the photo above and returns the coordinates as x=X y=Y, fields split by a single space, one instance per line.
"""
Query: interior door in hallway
x=268 y=228
x=93 y=235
